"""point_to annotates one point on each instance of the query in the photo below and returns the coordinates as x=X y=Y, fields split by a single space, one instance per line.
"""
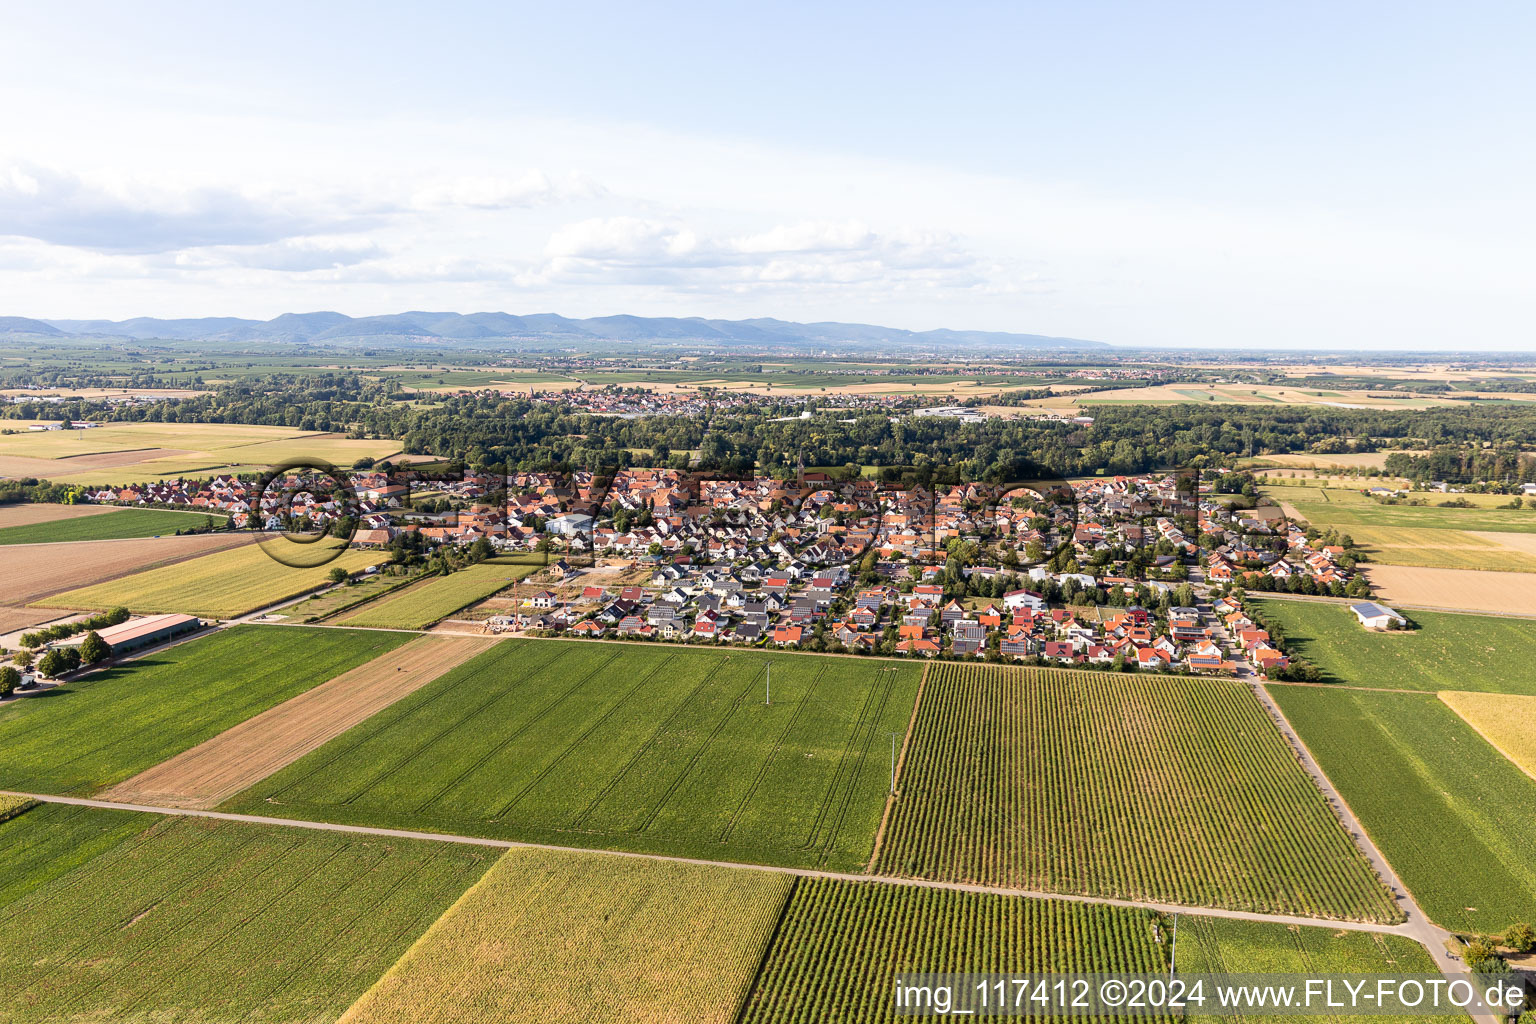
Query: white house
x=1016 y=599
x=1376 y=616
x=569 y=524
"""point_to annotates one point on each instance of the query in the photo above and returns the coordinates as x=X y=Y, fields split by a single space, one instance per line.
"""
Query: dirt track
x=212 y=772
x=36 y=571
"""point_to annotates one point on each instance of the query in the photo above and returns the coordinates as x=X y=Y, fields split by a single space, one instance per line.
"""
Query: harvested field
x=38 y=512
x=36 y=571
x=1507 y=720
x=217 y=769
x=221 y=585
x=1473 y=589
x=573 y=938
x=1161 y=788
x=1447 y=549
x=1344 y=460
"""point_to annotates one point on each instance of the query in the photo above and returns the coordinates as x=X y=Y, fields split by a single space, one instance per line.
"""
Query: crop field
x=574 y=938
x=1507 y=720
x=197 y=920
x=222 y=585
x=14 y=619
x=623 y=746
x=1164 y=788
x=333 y=602
x=1328 y=507
x=1451 y=814
x=215 y=770
x=34 y=513
x=34 y=571
x=122 y=523
x=110 y=725
x=117 y=453
x=421 y=604
x=51 y=840
x=1217 y=945
x=841 y=944
x=1476 y=590
x=1450 y=651
x=1444 y=549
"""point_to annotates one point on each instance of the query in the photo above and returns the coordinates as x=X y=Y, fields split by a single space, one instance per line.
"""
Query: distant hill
x=421 y=326
x=22 y=325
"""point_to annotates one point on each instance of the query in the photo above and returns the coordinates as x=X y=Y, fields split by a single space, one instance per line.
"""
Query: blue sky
x=1319 y=175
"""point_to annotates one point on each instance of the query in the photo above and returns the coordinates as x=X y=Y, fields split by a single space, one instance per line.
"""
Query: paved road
x=438 y=837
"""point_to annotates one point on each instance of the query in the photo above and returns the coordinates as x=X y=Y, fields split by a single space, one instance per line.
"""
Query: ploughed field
x=1450 y=650
x=35 y=571
x=106 y=915
x=623 y=746
x=108 y=726
x=1451 y=814
x=1160 y=788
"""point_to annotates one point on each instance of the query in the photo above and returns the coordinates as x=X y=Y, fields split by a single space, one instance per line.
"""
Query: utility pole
x=768 y=685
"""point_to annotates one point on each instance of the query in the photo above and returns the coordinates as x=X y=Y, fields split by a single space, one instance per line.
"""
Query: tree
x=52 y=664
x=9 y=680
x=1521 y=938
x=24 y=659
x=93 y=648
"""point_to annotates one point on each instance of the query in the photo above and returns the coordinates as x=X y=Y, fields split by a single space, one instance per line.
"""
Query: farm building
x=1376 y=616
x=152 y=629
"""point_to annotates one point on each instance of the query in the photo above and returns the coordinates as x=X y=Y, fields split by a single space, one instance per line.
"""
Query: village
x=1143 y=572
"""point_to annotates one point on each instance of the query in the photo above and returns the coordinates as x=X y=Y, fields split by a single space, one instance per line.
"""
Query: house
x=1376 y=616
x=786 y=635
x=1025 y=599
x=544 y=599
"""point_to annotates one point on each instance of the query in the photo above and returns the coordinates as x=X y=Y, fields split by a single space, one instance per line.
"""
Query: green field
x=111 y=725
x=420 y=605
x=1450 y=650
x=1214 y=945
x=655 y=749
x=842 y=944
x=1345 y=508
x=119 y=524
x=1451 y=814
x=1163 y=788
x=194 y=920
x=222 y=585
x=578 y=938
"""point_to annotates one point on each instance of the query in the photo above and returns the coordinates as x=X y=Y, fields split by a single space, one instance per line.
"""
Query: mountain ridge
x=427 y=326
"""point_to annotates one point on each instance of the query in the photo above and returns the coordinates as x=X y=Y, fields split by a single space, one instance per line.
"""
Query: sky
x=1240 y=176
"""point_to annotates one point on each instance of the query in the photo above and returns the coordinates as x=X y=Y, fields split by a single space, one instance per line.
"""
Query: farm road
x=1408 y=929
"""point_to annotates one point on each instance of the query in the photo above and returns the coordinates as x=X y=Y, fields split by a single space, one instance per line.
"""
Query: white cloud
x=494 y=192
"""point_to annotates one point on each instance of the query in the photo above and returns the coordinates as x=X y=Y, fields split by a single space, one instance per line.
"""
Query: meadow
x=1344 y=508
x=119 y=524
x=1507 y=720
x=223 y=585
x=1449 y=650
x=1450 y=813
x=107 y=726
x=422 y=604
x=1162 y=788
x=196 y=920
x=841 y=944
x=649 y=748
x=1215 y=945
x=575 y=938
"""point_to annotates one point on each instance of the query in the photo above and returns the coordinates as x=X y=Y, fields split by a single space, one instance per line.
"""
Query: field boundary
x=217 y=769
x=1478 y=729
x=920 y=883
x=901 y=764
